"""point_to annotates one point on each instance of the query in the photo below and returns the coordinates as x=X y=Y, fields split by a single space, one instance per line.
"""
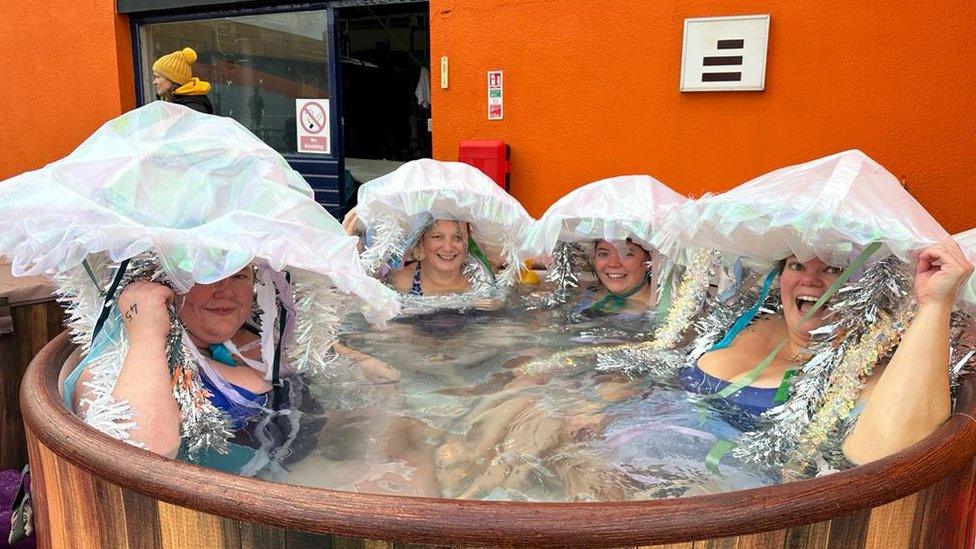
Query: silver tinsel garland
x=319 y=309
x=712 y=327
x=481 y=288
x=962 y=342
x=80 y=292
x=568 y=260
x=689 y=296
x=203 y=426
x=513 y=266
x=389 y=242
x=864 y=323
x=652 y=359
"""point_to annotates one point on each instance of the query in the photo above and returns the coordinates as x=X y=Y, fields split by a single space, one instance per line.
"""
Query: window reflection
x=257 y=64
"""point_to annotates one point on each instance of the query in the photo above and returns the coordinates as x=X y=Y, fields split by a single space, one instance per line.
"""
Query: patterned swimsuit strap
x=415 y=288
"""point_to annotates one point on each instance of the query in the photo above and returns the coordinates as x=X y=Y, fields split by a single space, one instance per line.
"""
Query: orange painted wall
x=591 y=91
x=65 y=68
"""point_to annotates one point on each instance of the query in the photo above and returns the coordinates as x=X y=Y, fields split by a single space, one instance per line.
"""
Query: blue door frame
x=325 y=173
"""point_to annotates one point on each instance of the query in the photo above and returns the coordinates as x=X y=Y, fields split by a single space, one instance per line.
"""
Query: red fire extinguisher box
x=490 y=156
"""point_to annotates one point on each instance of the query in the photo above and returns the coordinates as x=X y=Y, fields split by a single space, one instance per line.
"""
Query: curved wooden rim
x=445 y=521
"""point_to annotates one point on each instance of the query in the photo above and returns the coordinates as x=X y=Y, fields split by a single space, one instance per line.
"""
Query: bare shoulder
x=402 y=280
x=746 y=350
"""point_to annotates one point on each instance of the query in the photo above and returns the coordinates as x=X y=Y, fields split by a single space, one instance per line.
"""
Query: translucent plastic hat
x=206 y=198
x=445 y=190
x=826 y=208
x=201 y=191
x=967 y=239
x=637 y=207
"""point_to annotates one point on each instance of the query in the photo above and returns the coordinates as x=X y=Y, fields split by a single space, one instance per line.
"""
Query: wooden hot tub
x=29 y=318
x=93 y=491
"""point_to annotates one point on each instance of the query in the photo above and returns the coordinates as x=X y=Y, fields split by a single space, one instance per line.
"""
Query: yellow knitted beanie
x=175 y=66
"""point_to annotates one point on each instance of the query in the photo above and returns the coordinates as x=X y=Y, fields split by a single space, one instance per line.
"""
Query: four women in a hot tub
x=904 y=401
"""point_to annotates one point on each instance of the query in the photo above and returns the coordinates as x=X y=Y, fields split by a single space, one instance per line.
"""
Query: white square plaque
x=724 y=53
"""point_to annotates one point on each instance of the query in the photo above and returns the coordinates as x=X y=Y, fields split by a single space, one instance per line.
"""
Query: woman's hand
x=145 y=309
x=349 y=222
x=486 y=304
x=374 y=369
x=939 y=273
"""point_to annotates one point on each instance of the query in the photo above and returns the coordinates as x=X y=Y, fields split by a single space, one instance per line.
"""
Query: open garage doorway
x=385 y=67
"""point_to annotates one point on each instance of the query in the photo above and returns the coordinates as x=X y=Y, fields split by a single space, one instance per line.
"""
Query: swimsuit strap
x=415 y=288
x=746 y=318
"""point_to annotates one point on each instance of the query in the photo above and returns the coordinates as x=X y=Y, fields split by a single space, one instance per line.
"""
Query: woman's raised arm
x=145 y=380
x=911 y=398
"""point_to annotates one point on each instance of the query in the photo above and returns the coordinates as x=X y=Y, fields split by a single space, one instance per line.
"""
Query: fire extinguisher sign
x=495 y=102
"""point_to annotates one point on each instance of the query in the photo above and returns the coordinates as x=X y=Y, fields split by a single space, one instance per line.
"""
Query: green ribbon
x=716 y=454
x=476 y=253
x=614 y=302
x=664 y=304
x=783 y=393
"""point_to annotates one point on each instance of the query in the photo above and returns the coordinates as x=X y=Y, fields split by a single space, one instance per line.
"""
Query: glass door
x=261 y=66
x=384 y=65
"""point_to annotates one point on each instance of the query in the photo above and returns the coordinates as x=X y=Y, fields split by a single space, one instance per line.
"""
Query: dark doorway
x=385 y=64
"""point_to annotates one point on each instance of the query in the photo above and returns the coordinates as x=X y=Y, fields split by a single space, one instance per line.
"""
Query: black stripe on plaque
x=736 y=44
x=717 y=60
x=722 y=77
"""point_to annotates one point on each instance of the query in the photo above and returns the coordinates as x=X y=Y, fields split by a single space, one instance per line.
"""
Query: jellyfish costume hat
x=398 y=207
x=845 y=209
x=167 y=194
x=630 y=207
x=967 y=239
x=638 y=208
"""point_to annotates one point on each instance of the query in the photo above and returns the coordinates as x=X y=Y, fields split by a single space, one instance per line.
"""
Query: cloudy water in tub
x=507 y=405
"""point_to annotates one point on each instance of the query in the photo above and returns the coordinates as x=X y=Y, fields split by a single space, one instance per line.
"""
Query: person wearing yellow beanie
x=175 y=83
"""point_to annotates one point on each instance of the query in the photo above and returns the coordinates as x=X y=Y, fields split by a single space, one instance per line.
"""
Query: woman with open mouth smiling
x=916 y=367
x=801 y=285
x=853 y=362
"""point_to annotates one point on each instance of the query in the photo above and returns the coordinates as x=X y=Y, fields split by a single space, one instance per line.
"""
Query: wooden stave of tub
x=34 y=323
x=93 y=491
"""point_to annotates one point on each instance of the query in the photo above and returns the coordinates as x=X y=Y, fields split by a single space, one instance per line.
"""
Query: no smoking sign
x=312 y=121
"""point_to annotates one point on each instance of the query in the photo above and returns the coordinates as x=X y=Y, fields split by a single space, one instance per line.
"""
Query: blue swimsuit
x=754 y=400
x=239 y=415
